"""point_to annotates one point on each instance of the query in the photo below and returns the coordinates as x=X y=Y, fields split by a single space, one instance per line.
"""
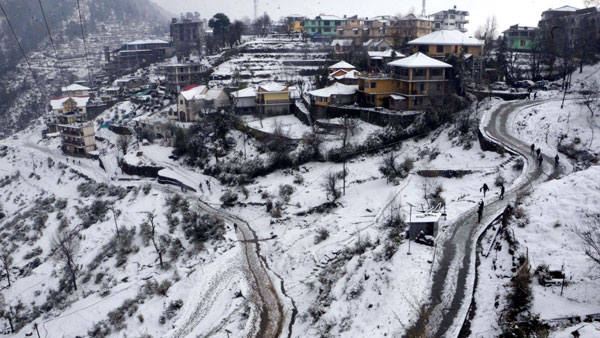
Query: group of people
x=537 y=154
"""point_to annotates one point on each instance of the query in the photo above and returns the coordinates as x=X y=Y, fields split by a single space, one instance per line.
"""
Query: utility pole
x=344 y=146
x=255 y=10
x=409 y=223
x=423 y=11
x=35 y=326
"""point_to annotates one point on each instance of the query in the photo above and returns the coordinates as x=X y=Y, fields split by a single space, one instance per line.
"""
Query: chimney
x=106 y=54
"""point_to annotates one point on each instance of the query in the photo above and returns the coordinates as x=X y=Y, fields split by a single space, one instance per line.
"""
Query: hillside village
x=335 y=176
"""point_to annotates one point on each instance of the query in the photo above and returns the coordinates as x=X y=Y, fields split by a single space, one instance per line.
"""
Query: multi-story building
x=195 y=101
x=580 y=27
x=78 y=139
x=187 y=34
x=412 y=27
x=420 y=77
x=75 y=90
x=323 y=25
x=363 y=30
x=244 y=100
x=180 y=75
x=135 y=54
x=375 y=88
x=520 y=38
x=295 y=23
x=440 y=43
x=450 y=20
x=273 y=99
x=69 y=104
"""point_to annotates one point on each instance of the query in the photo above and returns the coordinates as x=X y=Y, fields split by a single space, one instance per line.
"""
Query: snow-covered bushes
x=171 y=311
x=228 y=198
x=285 y=192
x=199 y=228
x=322 y=234
x=88 y=189
x=92 y=214
x=519 y=164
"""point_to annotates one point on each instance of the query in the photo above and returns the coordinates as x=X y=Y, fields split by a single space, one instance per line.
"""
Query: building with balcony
x=374 y=89
x=295 y=23
x=520 y=38
x=64 y=105
x=440 y=43
x=187 y=35
x=452 y=19
x=323 y=25
x=78 y=139
x=273 y=98
x=412 y=27
x=196 y=101
x=180 y=75
x=378 y=60
x=75 y=90
x=419 y=78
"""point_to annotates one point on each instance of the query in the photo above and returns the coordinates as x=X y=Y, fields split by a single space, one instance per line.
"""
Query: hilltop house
x=341 y=47
x=195 y=101
x=323 y=25
x=337 y=94
x=419 y=78
x=273 y=98
x=438 y=44
x=75 y=90
x=180 y=75
x=520 y=38
x=244 y=100
x=452 y=19
x=65 y=105
x=78 y=139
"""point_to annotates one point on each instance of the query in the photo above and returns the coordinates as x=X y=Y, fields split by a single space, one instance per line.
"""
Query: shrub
x=172 y=309
x=518 y=165
x=298 y=179
x=163 y=288
x=322 y=234
x=229 y=198
x=499 y=180
x=285 y=192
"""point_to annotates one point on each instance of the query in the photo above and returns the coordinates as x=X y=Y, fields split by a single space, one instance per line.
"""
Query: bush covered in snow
x=90 y=188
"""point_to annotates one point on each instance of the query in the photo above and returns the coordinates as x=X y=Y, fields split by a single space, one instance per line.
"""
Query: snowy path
x=454 y=276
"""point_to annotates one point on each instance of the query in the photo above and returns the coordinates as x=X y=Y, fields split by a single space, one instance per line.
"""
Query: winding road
x=454 y=273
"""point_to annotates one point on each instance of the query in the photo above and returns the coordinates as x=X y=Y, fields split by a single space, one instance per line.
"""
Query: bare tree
x=65 y=246
x=150 y=222
x=6 y=313
x=330 y=185
x=591 y=99
x=487 y=32
x=589 y=235
x=7 y=261
x=313 y=141
x=123 y=142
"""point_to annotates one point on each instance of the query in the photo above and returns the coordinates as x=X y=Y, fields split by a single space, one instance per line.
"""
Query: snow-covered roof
x=341 y=42
x=74 y=87
x=146 y=42
x=342 y=65
x=342 y=74
x=335 y=89
x=447 y=38
x=193 y=92
x=273 y=87
x=398 y=97
x=213 y=93
x=57 y=103
x=419 y=60
x=414 y=17
x=330 y=17
x=429 y=217
x=385 y=54
x=564 y=9
x=246 y=92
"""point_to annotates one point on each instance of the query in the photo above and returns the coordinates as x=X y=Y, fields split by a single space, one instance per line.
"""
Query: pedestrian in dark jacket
x=501 y=191
x=556 y=158
x=480 y=212
x=538 y=151
x=532 y=148
x=484 y=189
x=540 y=159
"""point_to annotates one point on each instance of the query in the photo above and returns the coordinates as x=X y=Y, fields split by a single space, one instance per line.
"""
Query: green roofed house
x=323 y=25
x=520 y=38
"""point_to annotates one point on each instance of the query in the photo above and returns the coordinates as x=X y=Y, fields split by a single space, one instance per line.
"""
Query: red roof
x=188 y=87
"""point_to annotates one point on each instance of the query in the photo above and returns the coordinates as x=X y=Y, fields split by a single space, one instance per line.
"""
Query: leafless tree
x=7 y=261
x=487 y=32
x=123 y=142
x=65 y=246
x=589 y=235
x=6 y=313
x=313 y=141
x=150 y=221
x=590 y=96
x=330 y=185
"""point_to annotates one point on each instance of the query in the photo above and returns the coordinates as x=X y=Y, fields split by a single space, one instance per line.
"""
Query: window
x=437 y=25
x=439 y=49
x=327 y=29
x=421 y=87
x=419 y=72
x=356 y=32
x=337 y=23
x=373 y=84
x=435 y=72
x=180 y=101
x=451 y=16
x=522 y=43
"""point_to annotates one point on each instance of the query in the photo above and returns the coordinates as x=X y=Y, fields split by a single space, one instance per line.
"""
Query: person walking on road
x=540 y=159
x=208 y=184
x=538 y=151
x=485 y=188
x=480 y=212
x=501 y=191
x=532 y=149
x=556 y=158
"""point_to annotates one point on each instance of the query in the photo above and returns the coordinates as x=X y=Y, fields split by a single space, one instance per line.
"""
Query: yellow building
x=273 y=99
x=419 y=78
x=441 y=43
x=374 y=89
x=65 y=105
x=295 y=23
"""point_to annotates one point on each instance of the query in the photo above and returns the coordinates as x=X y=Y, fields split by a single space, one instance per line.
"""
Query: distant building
x=244 y=100
x=337 y=94
x=341 y=48
x=412 y=27
x=520 y=38
x=344 y=77
x=273 y=98
x=78 y=139
x=451 y=19
x=342 y=65
x=134 y=55
x=440 y=43
x=377 y=45
x=378 y=60
x=323 y=25
x=187 y=35
x=65 y=105
x=75 y=90
x=583 y=26
x=295 y=23
x=195 y=101
x=180 y=75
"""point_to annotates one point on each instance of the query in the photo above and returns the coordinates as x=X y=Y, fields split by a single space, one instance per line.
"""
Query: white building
x=450 y=20
x=244 y=100
x=75 y=90
x=195 y=101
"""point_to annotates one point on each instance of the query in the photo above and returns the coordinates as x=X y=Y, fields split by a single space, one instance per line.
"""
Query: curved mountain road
x=453 y=277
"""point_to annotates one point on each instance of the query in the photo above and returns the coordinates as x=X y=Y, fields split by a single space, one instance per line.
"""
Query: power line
x=52 y=42
x=85 y=49
x=22 y=51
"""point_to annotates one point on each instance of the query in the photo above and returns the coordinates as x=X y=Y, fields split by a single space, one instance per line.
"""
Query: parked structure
x=195 y=101
x=440 y=43
x=244 y=101
x=273 y=98
x=180 y=75
x=520 y=38
x=426 y=224
x=78 y=139
x=187 y=35
x=451 y=19
x=337 y=94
